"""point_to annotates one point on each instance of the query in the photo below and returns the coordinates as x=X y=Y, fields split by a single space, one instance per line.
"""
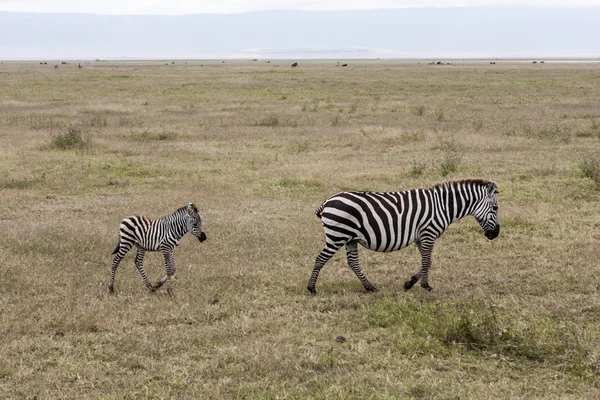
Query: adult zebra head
x=486 y=211
x=194 y=222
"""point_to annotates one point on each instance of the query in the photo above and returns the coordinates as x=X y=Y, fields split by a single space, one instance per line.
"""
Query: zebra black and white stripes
x=162 y=235
x=390 y=221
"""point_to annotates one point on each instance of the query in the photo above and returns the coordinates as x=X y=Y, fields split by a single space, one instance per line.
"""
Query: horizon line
x=532 y=6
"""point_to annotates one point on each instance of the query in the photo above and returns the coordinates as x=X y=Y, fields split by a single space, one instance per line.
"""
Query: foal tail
x=319 y=210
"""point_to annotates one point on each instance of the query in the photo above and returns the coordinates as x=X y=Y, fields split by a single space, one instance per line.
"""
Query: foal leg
x=139 y=259
x=352 y=254
x=170 y=269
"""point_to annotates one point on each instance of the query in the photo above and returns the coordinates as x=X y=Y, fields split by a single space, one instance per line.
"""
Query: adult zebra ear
x=492 y=188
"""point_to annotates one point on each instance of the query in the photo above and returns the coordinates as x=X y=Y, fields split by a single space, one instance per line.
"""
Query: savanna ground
x=257 y=147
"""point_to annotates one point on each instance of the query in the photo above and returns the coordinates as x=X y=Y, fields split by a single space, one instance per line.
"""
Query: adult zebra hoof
x=409 y=284
x=371 y=289
x=312 y=290
x=427 y=287
x=111 y=290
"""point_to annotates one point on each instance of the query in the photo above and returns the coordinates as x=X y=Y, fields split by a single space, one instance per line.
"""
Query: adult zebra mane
x=479 y=182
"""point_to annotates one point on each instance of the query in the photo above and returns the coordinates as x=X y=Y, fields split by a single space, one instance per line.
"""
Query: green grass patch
x=296 y=184
x=475 y=326
x=123 y=169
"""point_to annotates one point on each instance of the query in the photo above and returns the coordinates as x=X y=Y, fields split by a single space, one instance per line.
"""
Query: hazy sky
x=178 y=7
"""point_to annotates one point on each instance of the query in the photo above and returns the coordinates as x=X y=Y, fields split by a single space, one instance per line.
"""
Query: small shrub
x=335 y=121
x=416 y=169
x=441 y=116
x=590 y=168
x=74 y=138
x=450 y=163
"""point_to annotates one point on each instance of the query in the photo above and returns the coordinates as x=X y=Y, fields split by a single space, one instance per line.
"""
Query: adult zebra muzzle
x=493 y=234
x=202 y=237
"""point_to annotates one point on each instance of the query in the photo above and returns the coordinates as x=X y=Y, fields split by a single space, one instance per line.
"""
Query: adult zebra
x=390 y=221
x=162 y=235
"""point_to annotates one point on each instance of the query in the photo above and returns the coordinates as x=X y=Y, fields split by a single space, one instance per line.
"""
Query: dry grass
x=258 y=147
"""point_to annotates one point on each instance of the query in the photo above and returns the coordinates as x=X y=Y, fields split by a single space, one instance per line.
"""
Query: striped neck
x=458 y=199
x=176 y=222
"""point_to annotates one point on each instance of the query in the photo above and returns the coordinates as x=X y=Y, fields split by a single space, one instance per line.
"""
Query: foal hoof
x=372 y=289
x=312 y=290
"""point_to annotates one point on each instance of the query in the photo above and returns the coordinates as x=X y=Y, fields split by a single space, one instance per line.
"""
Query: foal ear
x=492 y=188
x=191 y=209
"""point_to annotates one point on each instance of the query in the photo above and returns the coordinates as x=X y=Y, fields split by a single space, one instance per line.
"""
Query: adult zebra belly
x=343 y=227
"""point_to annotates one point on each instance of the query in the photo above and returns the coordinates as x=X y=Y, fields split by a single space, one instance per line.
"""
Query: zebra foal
x=390 y=221
x=162 y=235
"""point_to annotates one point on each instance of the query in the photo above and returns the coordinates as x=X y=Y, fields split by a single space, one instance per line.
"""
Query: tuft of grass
x=158 y=136
x=420 y=110
x=270 y=120
x=336 y=120
x=73 y=138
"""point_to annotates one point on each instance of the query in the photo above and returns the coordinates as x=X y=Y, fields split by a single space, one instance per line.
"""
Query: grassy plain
x=258 y=147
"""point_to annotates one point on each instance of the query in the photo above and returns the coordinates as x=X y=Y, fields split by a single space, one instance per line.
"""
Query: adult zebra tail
x=117 y=246
x=320 y=210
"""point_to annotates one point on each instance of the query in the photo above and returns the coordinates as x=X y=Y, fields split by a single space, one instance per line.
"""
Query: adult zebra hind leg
x=139 y=264
x=120 y=251
x=352 y=254
x=322 y=258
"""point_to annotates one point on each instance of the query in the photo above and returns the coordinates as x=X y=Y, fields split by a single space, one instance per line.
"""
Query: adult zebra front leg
x=352 y=254
x=425 y=247
x=139 y=264
x=169 y=269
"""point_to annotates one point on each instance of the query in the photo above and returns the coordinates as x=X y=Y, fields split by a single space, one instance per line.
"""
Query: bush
x=74 y=138
x=417 y=169
x=590 y=168
x=450 y=163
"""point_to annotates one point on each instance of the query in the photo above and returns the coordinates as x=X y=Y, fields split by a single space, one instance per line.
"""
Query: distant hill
x=399 y=33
